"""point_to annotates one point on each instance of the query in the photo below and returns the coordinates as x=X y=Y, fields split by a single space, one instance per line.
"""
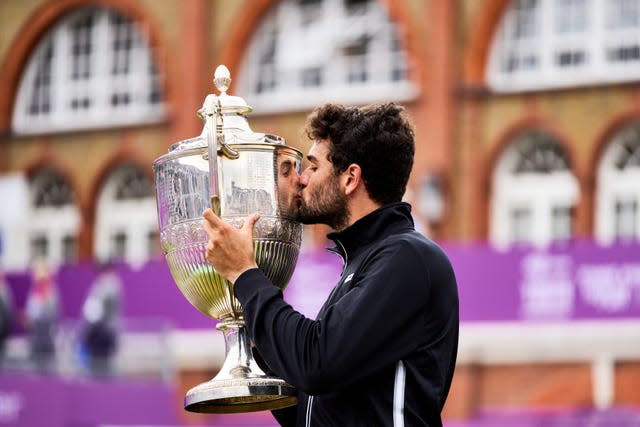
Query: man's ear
x=351 y=178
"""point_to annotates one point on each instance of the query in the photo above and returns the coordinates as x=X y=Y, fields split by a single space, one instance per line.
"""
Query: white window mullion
x=60 y=76
x=597 y=45
x=101 y=73
x=135 y=81
x=541 y=220
x=604 y=213
x=547 y=37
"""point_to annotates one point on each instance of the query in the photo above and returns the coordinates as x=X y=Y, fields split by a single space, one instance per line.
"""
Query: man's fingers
x=214 y=225
x=250 y=222
x=211 y=222
x=211 y=216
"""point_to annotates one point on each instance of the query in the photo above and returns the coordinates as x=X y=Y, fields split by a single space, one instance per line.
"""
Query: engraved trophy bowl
x=236 y=172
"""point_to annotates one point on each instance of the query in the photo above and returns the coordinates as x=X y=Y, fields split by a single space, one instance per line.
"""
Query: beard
x=325 y=204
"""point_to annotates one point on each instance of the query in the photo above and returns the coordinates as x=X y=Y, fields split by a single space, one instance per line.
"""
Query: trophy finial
x=222 y=79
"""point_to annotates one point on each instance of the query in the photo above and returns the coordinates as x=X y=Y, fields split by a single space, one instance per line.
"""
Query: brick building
x=527 y=117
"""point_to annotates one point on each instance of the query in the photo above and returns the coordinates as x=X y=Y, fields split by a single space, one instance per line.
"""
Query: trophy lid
x=232 y=111
x=228 y=103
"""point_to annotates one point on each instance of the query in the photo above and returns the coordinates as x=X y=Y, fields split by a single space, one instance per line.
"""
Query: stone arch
x=477 y=51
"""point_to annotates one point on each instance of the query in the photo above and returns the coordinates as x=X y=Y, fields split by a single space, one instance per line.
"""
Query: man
x=382 y=349
x=101 y=322
x=6 y=315
x=42 y=314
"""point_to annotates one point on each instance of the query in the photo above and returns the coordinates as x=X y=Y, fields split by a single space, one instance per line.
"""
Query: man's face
x=287 y=185
x=321 y=200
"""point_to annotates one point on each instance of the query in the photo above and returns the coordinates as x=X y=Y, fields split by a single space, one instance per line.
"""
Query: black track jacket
x=382 y=349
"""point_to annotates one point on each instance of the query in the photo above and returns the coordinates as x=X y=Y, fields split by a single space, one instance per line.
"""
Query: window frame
x=97 y=86
x=617 y=185
x=53 y=223
x=263 y=66
x=593 y=41
x=134 y=217
x=539 y=191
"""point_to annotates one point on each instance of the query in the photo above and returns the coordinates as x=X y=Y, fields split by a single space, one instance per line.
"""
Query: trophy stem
x=238 y=361
x=240 y=386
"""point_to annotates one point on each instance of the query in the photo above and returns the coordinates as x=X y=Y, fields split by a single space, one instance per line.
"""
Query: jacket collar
x=384 y=221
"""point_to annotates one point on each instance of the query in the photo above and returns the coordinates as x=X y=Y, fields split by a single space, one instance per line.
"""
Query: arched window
x=534 y=193
x=55 y=219
x=94 y=68
x=618 y=188
x=309 y=51
x=544 y=44
x=126 y=218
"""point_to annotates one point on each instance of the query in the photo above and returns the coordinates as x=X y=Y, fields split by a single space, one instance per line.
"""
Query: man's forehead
x=319 y=150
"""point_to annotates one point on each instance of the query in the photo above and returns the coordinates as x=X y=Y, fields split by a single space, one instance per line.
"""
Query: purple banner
x=577 y=282
x=31 y=400
x=147 y=293
x=559 y=417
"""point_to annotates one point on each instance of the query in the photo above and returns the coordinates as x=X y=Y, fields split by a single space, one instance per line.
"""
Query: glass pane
x=153 y=244
x=50 y=190
x=570 y=58
x=39 y=247
x=68 y=249
x=629 y=154
x=626 y=218
x=81 y=47
x=133 y=184
x=521 y=223
x=312 y=77
x=122 y=40
x=119 y=246
x=524 y=24
x=570 y=16
x=40 y=102
x=561 y=223
x=540 y=153
x=623 y=14
x=310 y=11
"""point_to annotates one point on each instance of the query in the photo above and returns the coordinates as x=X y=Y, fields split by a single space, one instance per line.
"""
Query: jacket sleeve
x=378 y=322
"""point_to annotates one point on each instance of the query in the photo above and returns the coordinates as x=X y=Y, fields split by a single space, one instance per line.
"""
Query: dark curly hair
x=379 y=138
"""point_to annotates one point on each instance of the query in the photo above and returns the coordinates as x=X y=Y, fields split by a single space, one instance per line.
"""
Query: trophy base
x=240 y=395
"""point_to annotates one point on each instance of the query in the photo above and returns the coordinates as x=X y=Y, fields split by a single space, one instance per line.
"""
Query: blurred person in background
x=6 y=315
x=42 y=316
x=101 y=322
x=383 y=348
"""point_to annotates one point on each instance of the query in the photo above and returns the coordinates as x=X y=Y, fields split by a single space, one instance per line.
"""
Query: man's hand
x=230 y=250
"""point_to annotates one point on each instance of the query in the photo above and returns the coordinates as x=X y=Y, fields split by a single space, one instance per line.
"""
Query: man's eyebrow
x=312 y=158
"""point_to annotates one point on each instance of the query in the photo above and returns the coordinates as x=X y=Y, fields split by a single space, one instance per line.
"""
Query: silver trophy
x=236 y=172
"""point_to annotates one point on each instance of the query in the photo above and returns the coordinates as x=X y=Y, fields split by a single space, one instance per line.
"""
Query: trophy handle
x=211 y=112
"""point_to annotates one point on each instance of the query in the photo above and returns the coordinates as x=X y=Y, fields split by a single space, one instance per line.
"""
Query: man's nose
x=303 y=178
